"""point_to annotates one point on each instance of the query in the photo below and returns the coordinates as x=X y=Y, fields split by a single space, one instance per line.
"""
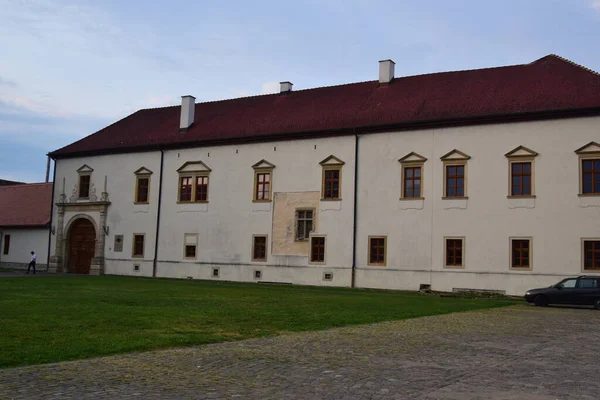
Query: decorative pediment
x=412 y=157
x=143 y=171
x=590 y=148
x=85 y=169
x=194 y=166
x=332 y=160
x=521 y=151
x=455 y=155
x=263 y=164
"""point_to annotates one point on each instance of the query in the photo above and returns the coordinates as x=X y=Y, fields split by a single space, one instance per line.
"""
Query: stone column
x=56 y=261
x=97 y=266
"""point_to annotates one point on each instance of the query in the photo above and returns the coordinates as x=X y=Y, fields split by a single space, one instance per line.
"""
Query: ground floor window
x=317 y=249
x=454 y=252
x=591 y=254
x=521 y=253
x=377 y=250
x=138 y=245
x=259 y=248
x=6 y=244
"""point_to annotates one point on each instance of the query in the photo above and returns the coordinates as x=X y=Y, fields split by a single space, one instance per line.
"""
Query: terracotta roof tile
x=548 y=84
x=25 y=205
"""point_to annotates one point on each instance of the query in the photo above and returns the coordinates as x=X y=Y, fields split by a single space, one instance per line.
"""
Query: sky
x=71 y=67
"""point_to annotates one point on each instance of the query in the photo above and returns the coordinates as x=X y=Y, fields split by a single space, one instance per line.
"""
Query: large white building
x=482 y=179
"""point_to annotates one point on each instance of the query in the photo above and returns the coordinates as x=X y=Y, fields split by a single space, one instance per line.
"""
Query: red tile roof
x=25 y=205
x=545 y=85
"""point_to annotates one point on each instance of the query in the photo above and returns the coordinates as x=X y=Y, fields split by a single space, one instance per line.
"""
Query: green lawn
x=56 y=318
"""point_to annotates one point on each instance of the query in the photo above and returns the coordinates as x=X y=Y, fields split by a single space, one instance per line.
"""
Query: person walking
x=32 y=262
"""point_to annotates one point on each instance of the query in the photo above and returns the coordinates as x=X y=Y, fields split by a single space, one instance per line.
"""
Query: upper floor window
x=263 y=181
x=589 y=169
x=455 y=174
x=304 y=224
x=142 y=185
x=193 y=182
x=412 y=176
x=85 y=176
x=331 y=186
x=591 y=254
x=520 y=164
x=6 y=244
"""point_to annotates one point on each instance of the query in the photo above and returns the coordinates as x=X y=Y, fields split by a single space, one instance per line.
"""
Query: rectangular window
x=304 y=224
x=331 y=184
x=138 y=245
x=521 y=255
x=454 y=252
x=455 y=180
x=317 y=249
x=6 y=244
x=590 y=173
x=185 y=188
x=201 y=188
x=142 y=187
x=263 y=186
x=259 y=248
x=520 y=181
x=412 y=182
x=84 y=186
x=190 y=251
x=377 y=250
x=591 y=254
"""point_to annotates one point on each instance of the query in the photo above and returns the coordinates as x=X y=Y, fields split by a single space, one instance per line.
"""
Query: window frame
x=464 y=178
x=519 y=155
x=6 y=244
x=583 y=251
x=193 y=183
x=89 y=184
x=257 y=173
x=370 y=249
x=411 y=160
x=529 y=240
x=331 y=163
x=452 y=159
x=253 y=253
x=463 y=251
x=133 y=254
x=297 y=220
x=582 y=160
x=193 y=241
x=137 y=189
x=311 y=259
x=590 y=151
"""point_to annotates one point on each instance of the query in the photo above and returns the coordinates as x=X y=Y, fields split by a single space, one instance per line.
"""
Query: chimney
x=188 y=106
x=285 y=87
x=386 y=71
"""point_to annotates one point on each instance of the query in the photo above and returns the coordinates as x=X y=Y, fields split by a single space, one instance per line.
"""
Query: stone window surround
x=192 y=242
x=193 y=170
x=142 y=173
x=584 y=154
x=262 y=167
x=412 y=160
x=310 y=256
x=331 y=163
x=464 y=252
x=527 y=155
x=253 y=253
x=375 y=264
x=462 y=160
x=510 y=261
x=133 y=255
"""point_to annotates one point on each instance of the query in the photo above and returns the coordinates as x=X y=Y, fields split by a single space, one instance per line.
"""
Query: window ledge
x=455 y=198
x=140 y=203
x=137 y=257
x=258 y=261
x=521 y=269
x=454 y=266
x=316 y=263
x=589 y=195
x=376 y=265
x=411 y=198
x=261 y=201
x=526 y=196
x=186 y=202
x=331 y=199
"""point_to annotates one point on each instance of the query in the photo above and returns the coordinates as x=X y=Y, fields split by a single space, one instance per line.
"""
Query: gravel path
x=518 y=352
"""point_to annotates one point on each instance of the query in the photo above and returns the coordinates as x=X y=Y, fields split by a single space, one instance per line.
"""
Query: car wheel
x=541 y=301
x=597 y=304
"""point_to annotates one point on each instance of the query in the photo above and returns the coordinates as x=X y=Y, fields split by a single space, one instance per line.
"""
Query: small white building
x=24 y=224
x=482 y=179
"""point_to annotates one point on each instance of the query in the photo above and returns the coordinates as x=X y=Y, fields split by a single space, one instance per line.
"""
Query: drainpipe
x=51 y=209
x=355 y=228
x=160 y=184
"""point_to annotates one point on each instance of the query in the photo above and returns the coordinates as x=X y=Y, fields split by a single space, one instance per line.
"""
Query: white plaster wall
x=557 y=221
x=123 y=216
x=226 y=224
x=22 y=242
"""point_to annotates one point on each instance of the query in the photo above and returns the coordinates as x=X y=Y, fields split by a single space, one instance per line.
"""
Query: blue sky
x=69 y=68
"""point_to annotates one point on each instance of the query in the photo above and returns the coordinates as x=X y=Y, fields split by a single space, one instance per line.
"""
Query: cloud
x=270 y=87
x=595 y=4
x=4 y=82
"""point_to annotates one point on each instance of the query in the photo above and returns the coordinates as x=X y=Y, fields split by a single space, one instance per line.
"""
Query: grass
x=57 y=318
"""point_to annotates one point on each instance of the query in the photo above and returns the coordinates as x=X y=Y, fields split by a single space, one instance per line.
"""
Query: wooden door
x=82 y=242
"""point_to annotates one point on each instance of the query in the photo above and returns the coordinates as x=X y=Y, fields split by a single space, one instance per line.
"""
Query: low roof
x=4 y=182
x=26 y=205
x=550 y=84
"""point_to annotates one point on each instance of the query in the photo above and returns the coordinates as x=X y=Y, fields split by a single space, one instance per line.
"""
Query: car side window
x=569 y=283
x=588 y=284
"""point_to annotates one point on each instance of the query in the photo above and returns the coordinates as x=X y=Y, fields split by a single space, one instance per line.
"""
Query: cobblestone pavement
x=510 y=353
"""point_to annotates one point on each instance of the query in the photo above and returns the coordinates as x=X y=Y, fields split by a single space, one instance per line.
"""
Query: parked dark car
x=583 y=290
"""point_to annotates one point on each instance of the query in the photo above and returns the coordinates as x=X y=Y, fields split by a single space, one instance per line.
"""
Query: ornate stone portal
x=82 y=209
